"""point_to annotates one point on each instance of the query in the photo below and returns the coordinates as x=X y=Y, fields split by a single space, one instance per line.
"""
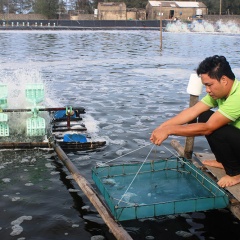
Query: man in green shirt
x=220 y=127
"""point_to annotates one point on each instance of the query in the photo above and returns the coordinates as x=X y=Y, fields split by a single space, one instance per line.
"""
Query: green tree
x=3 y=6
x=61 y=7
x=129 y=3
x=95 y=3
x=84 y=6
x=228 y=6
x=7 y=6
x=15 y=6
x=136 y=3
x=231 y=7
x=48 y=8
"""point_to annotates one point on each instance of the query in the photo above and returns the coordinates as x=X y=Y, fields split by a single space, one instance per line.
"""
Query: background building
x=112 y=11
x=175 y=10
x=136 y=14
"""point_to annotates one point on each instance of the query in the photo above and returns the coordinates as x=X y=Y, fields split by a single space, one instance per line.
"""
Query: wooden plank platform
x=234 y=191
x=216 y=174
x=219 y=173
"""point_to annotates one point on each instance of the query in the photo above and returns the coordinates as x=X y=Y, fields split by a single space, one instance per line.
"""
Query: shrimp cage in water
x=161 y=187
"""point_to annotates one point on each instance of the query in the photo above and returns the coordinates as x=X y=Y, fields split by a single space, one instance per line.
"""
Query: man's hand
x=159 y=135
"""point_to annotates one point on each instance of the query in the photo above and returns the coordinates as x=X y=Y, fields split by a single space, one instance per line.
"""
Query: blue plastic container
x=75 y=138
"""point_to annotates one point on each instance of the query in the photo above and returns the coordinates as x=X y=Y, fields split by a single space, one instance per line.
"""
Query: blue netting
x=162 y=187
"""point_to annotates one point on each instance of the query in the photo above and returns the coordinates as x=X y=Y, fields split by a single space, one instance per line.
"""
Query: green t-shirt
x=229 y=107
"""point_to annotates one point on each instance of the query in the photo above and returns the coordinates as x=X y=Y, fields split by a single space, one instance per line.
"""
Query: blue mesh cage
x=161 y=187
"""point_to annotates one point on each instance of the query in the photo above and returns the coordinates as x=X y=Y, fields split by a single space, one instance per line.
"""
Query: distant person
x=220 y=127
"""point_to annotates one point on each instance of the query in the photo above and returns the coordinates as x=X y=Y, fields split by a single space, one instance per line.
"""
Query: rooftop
x=177 y=4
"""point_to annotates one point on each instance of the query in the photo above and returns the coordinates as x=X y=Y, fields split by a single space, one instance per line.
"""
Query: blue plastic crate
x=161 y=187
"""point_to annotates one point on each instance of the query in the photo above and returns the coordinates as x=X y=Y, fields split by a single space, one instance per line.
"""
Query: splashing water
x=197 y=27
x=229 y=27
x=16 y=82
x=178 y=26
x=204 y=26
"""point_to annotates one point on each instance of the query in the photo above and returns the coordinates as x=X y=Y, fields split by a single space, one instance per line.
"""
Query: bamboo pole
x=79 y=109
x=117 y=230
x=23 y=145
x=64 y=145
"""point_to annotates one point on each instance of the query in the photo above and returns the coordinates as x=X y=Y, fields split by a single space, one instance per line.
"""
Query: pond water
x=128 y=86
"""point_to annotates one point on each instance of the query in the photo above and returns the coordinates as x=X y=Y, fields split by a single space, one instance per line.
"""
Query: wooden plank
x=219 y=173
x=65 y=129
x=68 y=146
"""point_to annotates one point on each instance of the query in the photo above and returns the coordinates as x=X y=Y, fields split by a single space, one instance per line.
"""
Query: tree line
x=51 y=8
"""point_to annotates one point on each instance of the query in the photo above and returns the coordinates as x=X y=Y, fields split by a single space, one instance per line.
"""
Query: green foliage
x=14 y=6
x=3 y=4
x=136 y=3
x=84 y=6
x=48 y=8
x=231 y=7
x=129 y=3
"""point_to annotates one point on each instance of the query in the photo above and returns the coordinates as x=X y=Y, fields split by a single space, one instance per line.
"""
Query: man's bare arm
x=187 y=115
x=161 y=133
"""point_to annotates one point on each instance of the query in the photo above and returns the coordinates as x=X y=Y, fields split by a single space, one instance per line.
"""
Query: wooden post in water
x=160 y=14
x=194 y=89
x=189 y=142
x=117 y=230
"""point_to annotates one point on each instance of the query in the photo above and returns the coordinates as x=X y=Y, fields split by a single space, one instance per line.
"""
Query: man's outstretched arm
x=177 y=125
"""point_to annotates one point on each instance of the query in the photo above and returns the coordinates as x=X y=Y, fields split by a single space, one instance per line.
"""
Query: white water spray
x=16 y=82
x=204 y=26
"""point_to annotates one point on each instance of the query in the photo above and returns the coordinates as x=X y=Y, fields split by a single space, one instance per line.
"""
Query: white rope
x=127 y=153
x=189 y=165
x=174 y=154
x=136 y=174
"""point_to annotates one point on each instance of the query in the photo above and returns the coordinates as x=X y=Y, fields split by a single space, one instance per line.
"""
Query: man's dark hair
x=215 y=67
